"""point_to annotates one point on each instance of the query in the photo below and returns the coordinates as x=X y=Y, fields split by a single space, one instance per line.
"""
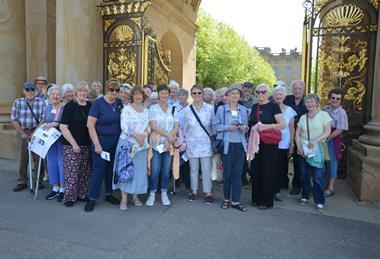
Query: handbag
x=269 y=136
x=125 y=167
x=217 y=145
x=323 y=145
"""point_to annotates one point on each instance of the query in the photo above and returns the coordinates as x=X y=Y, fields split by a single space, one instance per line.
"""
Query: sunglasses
x=196 y=93
x=335 y=98
x=30 y=89
x=114 y=90
x=261 y=92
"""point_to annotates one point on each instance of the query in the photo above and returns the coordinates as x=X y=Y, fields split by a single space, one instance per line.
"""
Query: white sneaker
x=123 y=206
x=165 y=199
x=304 y=201
x=319 y=207
x=151 y=200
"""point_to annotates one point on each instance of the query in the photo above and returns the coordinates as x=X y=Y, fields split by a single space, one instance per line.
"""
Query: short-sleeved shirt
x=23 y=115
x=300 y=109
x=338 y=116
x=266 y=113
x=316 y=125
x=107 y=125
x=288 y=115
x=75 y=116
x=165 y=120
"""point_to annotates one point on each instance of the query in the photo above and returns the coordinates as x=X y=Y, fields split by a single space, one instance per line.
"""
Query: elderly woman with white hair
x=266 y=116
x=97 y=86
x=173 y=98
x=221 y=97
x=67 y=92
x=314 y=127
x=124 y=94
x=208 y=95
x=54 y=159
x=286 y=146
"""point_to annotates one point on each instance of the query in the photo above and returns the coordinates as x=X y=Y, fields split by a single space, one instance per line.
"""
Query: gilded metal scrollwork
x=121 y=33
x=122 y=65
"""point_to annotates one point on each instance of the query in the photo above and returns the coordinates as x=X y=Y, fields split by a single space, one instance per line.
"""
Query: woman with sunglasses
x=104 y=128
x=266 y=115
x=197 y=120
x=339 y=124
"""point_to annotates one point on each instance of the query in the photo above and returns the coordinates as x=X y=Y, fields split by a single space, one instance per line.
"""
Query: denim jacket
x=222 y=121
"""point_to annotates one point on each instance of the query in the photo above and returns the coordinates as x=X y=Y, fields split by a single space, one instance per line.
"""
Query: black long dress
x=265 y=161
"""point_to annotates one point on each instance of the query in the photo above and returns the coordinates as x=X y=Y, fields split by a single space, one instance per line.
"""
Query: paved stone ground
x=41 y=229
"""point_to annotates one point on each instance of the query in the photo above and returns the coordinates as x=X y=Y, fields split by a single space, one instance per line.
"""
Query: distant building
x=286 y=65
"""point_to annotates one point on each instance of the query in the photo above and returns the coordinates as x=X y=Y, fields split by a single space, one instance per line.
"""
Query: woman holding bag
x=269 y=120
x=197 y=129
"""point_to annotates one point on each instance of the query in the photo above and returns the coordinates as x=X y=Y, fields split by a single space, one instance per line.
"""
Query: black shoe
x=89 y=206
x=239 y=207
x=263 y=207
x=40 y=186
x=295 y=190
x=60 y=197
x=277 y=197
x=69 y=203
x=112 y=199
x=19 y=187
x=85 y=199
x=52 y=195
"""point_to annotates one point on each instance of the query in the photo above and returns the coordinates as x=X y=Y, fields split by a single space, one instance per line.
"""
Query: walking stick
x=38 y=178
x=30 y=170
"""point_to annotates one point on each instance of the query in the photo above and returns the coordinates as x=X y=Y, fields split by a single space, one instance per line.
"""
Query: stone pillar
x=364 y=155
x=79 y=41
x=12 y=51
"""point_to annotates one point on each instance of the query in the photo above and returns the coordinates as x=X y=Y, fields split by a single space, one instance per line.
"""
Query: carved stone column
x=364 y=155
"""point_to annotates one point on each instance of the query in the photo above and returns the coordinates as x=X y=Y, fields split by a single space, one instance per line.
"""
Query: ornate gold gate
x=130 y=50
x=339 y=51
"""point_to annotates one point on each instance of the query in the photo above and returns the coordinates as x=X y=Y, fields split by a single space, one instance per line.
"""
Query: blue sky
x=271 y=23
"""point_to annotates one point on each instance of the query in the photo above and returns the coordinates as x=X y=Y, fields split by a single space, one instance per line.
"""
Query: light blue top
x=288 y=115
x=223 y=119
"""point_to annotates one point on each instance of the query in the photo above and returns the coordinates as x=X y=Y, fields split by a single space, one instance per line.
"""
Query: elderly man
x=41 y=83
x=248 y=100
x=296 y=102
x=26 y=115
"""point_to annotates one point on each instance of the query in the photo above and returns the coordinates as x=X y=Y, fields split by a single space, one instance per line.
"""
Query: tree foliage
x=224 y=57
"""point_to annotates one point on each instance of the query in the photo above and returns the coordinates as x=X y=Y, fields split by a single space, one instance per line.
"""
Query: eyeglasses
x=335 y=98
x=196 y=93
x=30 y=89
x=261 y=92
x=114 y=90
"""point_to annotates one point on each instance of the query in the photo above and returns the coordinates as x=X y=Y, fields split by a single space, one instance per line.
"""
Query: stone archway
x=169 y=41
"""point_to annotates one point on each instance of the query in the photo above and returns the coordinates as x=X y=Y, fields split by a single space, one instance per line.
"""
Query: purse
x=217 y=145
x=323 y=144
x=268 y=136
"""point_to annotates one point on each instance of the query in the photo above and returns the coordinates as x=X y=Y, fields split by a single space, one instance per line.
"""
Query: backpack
x=125 y=167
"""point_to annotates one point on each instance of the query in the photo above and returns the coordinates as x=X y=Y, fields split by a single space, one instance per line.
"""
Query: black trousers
x=184 y=176
x=297 y=175
x=282 y=179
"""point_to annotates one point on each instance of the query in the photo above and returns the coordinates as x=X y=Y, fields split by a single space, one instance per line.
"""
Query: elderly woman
x=265 y=115
x=67 y=93
x=104 y=128
x=173 y=90
x=313 y=128
x=208 y=95
x=76 y=142
x=339 y=124
x=124 y=94
x=54 y=157
x=135 y=130
x=197 y=130
x=164 y=124
x=286 y=146
x=148 y=89
x=231 y=124
x=183 y=96
x=97 y=87
x=220 y=97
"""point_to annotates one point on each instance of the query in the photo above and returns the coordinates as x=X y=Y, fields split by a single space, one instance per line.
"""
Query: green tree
x=224 y=57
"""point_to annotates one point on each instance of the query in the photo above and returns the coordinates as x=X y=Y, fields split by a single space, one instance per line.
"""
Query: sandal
x=225 y=205
x=239 y=207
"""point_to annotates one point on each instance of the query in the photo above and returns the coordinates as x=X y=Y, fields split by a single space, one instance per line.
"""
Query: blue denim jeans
x=307 y=171
x=160 y=163
x=232 y=172
x=332 y=165
x=101 y=169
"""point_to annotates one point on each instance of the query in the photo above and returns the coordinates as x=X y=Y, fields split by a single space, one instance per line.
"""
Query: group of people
x=136 y=138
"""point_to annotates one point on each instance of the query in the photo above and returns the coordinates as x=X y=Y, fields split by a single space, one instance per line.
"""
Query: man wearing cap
x=40 y=83
x=25 y=117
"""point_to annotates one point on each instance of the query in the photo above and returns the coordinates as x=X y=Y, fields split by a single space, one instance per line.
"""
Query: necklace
x=113 y=106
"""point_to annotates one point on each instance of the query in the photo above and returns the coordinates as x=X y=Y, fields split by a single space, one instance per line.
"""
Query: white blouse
x=197 y=141
x=164 y=120
x=133 y=120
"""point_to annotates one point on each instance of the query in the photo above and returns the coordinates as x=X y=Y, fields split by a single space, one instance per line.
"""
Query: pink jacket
x=253 y=143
